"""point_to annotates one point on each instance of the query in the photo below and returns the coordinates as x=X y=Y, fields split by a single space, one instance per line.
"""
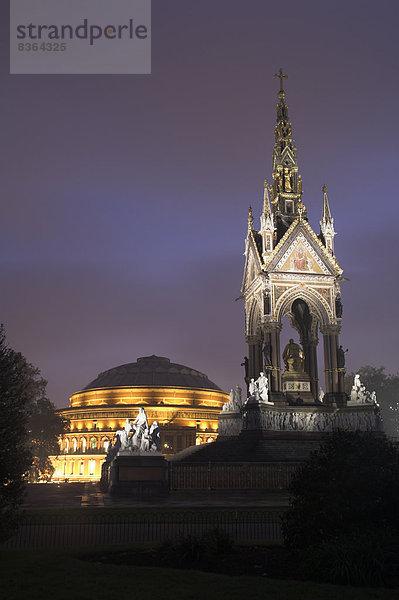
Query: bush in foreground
x=194 y=549
x=343 y=522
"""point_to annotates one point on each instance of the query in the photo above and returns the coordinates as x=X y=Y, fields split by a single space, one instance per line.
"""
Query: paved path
x=255 y=516
x=89 y=495
x=92 y=496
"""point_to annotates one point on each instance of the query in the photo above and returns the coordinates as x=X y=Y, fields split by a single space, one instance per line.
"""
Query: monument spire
x=266 y=201
x=326 y=217
x=327 y=232
x=266 y=224
x=286 y=190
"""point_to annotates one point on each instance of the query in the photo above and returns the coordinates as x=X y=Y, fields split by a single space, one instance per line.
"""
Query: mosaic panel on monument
x=296 y=386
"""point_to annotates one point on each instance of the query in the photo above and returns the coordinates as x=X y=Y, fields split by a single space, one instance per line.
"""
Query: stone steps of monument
x=286 y=450
x=184 y=453
x=250 y=449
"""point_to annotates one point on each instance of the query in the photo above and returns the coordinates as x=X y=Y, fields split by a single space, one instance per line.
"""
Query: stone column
x=267 y=356
x=310 y=351
x=332 y=376
x=271 y=333
x=341 y=380
x=252 y=351
x=258 y=362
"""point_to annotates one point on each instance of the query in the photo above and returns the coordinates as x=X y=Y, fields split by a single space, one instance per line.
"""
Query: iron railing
x=251 y=525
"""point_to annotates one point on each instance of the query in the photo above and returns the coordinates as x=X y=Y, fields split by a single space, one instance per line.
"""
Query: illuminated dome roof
x=152 y=371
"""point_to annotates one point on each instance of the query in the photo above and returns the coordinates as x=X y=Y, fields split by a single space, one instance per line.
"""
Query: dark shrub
x=217 y=541
x=195 y=549
x=353 y=559
x=349 y=485
x=343 y=521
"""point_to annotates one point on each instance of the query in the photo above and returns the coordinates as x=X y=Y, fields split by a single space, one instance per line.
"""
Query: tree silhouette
x=28 y=431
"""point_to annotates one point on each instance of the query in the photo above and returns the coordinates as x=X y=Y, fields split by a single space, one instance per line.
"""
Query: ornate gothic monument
x=264 y=436
x=291 y=270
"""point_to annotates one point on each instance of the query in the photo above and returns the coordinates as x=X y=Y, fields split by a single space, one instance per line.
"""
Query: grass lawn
x=61 y=574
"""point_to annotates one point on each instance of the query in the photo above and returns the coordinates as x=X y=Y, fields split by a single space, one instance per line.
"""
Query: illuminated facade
x=184 y=401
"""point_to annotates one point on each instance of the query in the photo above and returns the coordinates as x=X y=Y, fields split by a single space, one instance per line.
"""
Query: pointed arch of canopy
x=254 y=314
x=317 y=304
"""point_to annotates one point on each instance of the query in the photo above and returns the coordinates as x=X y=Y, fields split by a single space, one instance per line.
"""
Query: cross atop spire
x=282 y=110
x=281 y=76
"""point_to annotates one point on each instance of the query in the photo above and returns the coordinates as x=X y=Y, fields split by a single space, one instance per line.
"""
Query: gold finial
x=250 y=218
x=301 y=209
x=281 y=76
x=265 y=184
x=324 y=189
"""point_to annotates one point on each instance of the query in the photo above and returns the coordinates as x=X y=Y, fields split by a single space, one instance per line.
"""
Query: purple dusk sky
x=124 y=198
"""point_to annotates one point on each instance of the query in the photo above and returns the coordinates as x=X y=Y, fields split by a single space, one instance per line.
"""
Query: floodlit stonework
x=184 y=401
x=292 y=271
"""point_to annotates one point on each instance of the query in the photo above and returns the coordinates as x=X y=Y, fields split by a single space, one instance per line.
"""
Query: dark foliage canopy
x=349 y=486
x=28 y=431
x=44 y=428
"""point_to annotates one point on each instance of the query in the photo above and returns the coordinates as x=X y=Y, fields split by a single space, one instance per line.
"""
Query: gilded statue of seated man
x=293 y=358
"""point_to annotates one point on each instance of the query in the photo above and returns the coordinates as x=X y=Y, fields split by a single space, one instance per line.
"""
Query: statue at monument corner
x=140 y=425
x=245 y=364
x=155 y=437
x=267 y=355
x=136 y=437
x=253 y=393
x=235 y=401
x=123 y=435
x=341 y=358
x=263 y=387
x=338 y=307
x=259 y=390
x=359 y=394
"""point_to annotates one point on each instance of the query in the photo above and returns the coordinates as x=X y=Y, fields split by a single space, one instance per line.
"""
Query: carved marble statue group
x=359 y=394
x=235 y=401
x=257 y=412
x=136 y=436
x=317 y=421
x=258 y=392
